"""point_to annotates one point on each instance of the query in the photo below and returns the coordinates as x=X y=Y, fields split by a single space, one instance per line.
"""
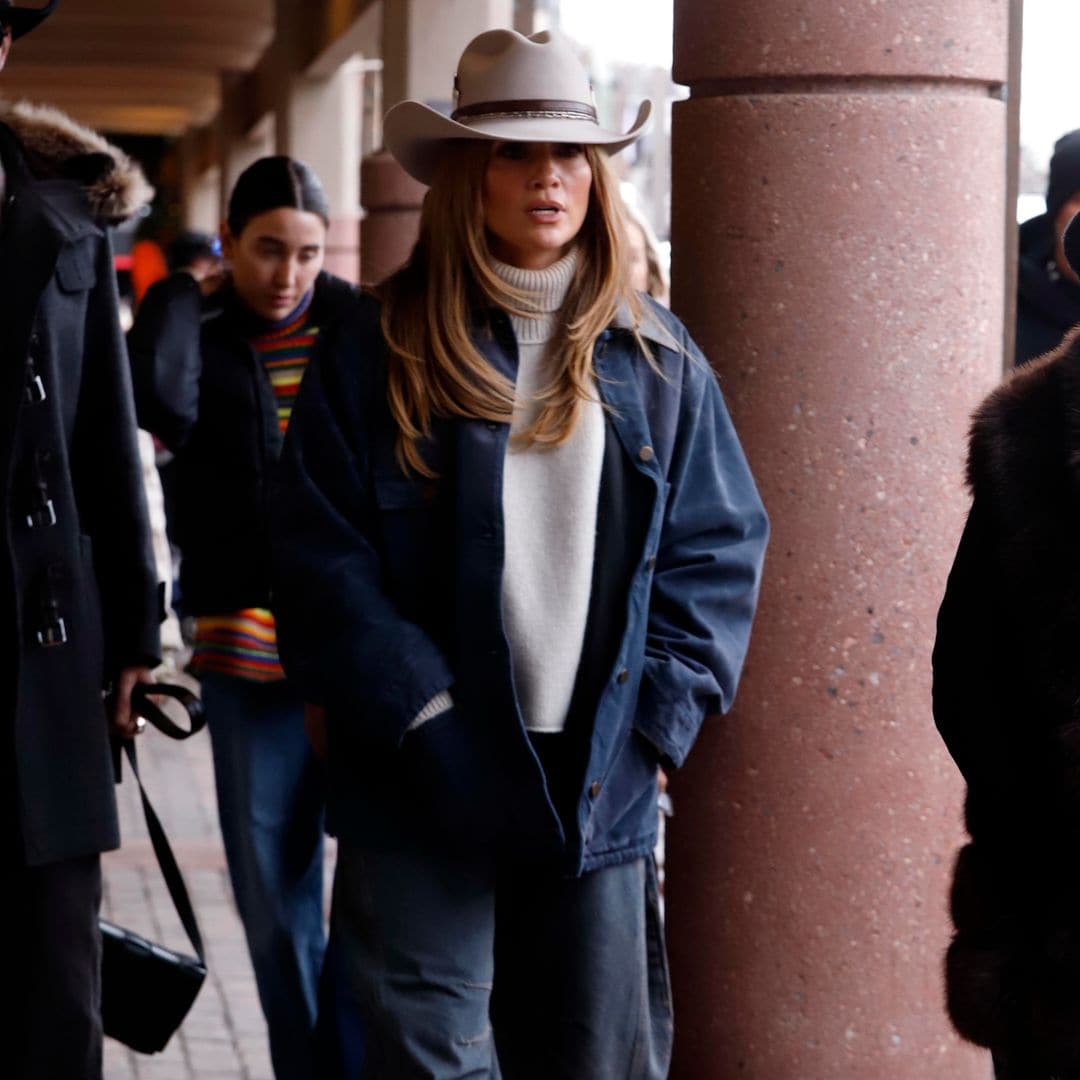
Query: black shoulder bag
x=147 y=989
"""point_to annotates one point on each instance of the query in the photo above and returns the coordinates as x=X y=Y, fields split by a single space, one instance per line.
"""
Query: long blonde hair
x=430 y=304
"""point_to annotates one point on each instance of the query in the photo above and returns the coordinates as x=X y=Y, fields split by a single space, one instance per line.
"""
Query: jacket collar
x=651 y=327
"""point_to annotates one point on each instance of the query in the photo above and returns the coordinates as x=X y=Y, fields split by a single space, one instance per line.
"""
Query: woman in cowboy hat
x=517 y=559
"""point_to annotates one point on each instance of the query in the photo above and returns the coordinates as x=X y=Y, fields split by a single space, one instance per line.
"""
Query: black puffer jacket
x=202 y=390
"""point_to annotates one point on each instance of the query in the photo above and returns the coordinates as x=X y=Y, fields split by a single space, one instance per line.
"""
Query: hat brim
x=416 y=134
x=23 y=20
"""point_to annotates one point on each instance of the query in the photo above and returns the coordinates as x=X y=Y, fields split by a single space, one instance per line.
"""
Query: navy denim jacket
x=388 y=588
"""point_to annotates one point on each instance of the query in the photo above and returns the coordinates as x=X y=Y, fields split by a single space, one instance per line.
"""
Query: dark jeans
x=271 y=795
x=51 y=1028
x=472 y=968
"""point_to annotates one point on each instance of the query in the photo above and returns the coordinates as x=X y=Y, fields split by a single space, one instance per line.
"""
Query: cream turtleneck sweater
x=549 y=509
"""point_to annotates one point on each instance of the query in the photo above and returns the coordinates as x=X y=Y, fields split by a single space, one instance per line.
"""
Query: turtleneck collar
x=252 y=325
x=545 y=293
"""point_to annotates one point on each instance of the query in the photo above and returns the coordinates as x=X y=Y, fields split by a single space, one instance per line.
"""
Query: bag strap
x=142 y=704
x=166 y=860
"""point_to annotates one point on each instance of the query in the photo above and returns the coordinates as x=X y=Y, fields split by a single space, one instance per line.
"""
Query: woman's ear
x=228 y=243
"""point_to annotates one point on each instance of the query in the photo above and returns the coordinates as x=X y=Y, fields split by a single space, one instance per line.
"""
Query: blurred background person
x=648 y=273
x=1048 y=289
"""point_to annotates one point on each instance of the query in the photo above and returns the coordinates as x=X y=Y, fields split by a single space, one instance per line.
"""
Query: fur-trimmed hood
x=56 y=146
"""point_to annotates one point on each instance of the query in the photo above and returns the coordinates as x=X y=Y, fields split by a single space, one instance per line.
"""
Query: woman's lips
x=544 y=212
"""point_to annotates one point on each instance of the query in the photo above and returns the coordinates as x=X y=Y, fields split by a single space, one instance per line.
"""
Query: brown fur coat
x=1007 y=702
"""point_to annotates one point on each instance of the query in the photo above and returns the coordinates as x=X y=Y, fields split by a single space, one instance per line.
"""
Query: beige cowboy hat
x=23 y=20
x=511 y=88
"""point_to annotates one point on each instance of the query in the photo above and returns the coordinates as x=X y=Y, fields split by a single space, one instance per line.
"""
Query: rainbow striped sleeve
x=242 y=644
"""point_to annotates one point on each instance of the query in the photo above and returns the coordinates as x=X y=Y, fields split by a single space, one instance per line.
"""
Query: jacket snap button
x=645 y=453
x=594 y=789
x=492 y=426
x=623 y=675
x=650 y=562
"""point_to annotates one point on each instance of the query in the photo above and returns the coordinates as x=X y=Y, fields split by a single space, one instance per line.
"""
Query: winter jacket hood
x=1048 y=304
x=56 y=147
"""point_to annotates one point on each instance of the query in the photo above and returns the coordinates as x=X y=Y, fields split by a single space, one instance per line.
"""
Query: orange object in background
x=147 y=266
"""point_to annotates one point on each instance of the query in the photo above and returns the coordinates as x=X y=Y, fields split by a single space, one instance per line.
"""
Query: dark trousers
x=1021 y=1066
x=51 y=1028
x=473 y=968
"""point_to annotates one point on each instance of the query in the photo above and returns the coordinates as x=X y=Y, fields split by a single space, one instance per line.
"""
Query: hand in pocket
x=452 y=765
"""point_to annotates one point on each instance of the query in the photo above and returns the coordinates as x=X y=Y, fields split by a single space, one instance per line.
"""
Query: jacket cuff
x=440 y=703
x=670 y=724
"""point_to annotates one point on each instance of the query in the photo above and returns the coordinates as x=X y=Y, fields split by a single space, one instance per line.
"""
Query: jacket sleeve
x=106 y=453
x=707 y=573
x=166 y=358
x=341 y=638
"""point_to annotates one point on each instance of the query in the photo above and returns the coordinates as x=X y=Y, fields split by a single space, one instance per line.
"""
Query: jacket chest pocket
x=75 y=270
x=413 y=517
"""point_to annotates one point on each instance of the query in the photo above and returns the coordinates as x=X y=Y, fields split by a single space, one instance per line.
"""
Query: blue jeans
x=271 y=798
x=582 y=991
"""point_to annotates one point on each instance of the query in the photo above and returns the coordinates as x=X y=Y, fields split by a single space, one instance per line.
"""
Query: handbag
x=147 y=989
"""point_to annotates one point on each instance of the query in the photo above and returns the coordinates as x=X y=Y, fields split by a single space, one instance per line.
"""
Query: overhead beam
x=160 y=50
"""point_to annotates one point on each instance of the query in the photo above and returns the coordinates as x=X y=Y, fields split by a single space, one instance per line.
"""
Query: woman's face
x=275 y=259
x=536 y=196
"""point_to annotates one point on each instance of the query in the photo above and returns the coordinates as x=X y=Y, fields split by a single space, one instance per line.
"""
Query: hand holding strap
x=142 y=704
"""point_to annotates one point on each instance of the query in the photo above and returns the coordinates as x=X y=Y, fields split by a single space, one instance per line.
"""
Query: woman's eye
x=513 y=151
x=570 y=149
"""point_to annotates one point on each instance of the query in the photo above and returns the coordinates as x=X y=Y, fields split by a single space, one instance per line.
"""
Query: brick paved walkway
x=224 y=1036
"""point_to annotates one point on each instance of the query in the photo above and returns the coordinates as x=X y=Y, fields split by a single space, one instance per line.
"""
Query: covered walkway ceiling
x=139 y=66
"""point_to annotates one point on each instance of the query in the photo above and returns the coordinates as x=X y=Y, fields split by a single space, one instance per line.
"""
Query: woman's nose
x=546 y=174
x=286 y=272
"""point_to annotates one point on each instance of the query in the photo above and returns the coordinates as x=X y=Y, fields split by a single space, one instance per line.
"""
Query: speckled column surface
x=391 y=223
x=838 y=244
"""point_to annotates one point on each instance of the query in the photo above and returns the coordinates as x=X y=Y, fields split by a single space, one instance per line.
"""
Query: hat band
x=536 y=109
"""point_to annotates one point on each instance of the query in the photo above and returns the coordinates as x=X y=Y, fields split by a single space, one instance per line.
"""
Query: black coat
x=1047 y=303
x=78 y=590
x=1007 y=703
x=202 y=390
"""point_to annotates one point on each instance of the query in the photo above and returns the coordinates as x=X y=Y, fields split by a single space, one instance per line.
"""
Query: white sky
x=1049 y=87
x=637 y=31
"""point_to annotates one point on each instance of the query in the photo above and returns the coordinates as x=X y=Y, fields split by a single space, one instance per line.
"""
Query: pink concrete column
x=343 y=247
x=392 y=202
x=838 y=241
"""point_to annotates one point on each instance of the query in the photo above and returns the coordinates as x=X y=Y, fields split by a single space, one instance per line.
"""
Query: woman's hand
x=123 y=721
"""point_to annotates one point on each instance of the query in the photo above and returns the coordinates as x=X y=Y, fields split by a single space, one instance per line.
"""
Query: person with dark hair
x=517 y=555
x=215 y=378
x=196 y=252
x=1048 y=289
x=78 y=591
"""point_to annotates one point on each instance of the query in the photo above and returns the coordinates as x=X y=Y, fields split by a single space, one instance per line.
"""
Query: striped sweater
x=244 y=643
